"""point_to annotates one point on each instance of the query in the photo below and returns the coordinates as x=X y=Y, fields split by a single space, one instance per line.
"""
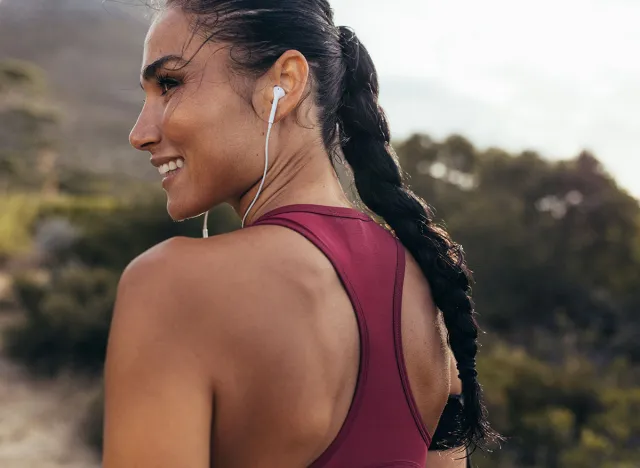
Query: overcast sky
x=552 y=75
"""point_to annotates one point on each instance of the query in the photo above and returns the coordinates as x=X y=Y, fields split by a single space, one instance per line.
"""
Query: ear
x=291 y=72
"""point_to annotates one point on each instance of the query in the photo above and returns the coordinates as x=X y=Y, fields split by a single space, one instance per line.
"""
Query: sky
x=556 y=76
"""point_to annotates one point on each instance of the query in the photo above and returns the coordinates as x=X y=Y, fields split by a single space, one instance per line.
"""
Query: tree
x=554 y=244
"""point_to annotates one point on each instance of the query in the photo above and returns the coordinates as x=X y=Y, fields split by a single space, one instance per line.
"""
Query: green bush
x=66 y=322
x=17 y=215
x=20 y=214
x=559 y=415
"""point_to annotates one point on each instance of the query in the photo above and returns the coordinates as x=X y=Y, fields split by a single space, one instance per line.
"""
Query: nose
x=145 y=134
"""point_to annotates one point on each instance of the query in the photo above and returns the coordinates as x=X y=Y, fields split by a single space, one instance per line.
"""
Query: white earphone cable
x=264 y=175
x=205 y=231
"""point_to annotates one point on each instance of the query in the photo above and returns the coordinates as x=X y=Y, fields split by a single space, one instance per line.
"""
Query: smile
x=171 y=166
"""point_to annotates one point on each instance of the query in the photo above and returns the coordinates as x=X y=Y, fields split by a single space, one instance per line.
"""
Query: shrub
x=66 y=322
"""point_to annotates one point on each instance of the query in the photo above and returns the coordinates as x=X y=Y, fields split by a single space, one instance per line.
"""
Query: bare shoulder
x=179 y=324
x=218 y=287
x=233 y=253
x=189 y=264
x=158 y=369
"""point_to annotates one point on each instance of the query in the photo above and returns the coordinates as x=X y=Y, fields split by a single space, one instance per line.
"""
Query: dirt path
x=40 y=419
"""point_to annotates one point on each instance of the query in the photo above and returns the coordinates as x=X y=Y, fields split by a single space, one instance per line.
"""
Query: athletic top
x=383 y=427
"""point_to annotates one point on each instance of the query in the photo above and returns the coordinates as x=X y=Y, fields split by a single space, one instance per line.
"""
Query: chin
x=183 y=208
x=180 y=211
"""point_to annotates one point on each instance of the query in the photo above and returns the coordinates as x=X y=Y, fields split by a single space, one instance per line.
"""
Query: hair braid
x=365 y=136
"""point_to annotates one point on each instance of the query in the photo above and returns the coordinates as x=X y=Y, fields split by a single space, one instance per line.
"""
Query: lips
x=170 y=177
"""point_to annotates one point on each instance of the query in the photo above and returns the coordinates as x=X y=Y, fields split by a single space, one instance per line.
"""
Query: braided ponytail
x=364 y=138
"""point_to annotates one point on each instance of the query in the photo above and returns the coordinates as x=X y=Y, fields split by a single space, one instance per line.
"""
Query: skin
x=212 y=362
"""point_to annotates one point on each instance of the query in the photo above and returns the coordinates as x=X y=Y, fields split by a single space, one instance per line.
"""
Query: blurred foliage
x=20 y=76
x=569 y=414
x=17 y=213
x=555 y=248
x=20 y=213
x=554 y=245
x=28 y=127
x=67 y=320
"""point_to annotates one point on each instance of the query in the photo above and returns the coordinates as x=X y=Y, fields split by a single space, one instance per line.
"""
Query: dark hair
x=346 y=91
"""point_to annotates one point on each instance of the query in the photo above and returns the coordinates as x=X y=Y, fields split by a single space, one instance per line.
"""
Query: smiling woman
x=314 y=336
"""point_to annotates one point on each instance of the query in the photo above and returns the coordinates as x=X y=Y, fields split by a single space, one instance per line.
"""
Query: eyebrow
x=152 y=69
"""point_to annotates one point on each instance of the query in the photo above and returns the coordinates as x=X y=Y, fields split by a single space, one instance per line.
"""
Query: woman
x=310 y=337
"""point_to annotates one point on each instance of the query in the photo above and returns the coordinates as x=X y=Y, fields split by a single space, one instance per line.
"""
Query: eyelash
x=166 y=83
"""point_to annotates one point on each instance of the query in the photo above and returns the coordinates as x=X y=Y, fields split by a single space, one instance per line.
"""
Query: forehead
x=170 y=34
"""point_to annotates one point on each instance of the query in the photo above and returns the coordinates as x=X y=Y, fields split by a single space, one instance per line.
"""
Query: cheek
x=215 y=132
x=211 y=121
x=182 y=119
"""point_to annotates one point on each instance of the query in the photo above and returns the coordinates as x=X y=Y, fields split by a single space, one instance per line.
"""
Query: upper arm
x=158 y=390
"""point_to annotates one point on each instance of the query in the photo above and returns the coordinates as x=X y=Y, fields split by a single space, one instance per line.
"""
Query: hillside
x=91 y=52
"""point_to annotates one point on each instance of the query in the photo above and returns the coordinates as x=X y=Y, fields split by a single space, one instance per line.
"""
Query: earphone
x=278 y=93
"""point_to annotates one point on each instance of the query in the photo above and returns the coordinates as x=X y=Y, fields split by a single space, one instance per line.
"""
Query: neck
x=301 y=175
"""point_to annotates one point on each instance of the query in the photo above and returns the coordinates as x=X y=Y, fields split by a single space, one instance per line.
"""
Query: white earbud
x=278 y=93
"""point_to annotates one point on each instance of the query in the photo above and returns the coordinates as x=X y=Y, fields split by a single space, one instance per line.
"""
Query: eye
x=166 y=83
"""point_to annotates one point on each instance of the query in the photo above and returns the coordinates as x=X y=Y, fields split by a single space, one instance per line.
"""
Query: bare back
x=293 y=349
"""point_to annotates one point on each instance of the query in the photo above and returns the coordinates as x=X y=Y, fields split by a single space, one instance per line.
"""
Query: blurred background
x=516 y=121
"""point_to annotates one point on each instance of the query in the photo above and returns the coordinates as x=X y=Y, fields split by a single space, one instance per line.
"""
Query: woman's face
x=194 y=121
